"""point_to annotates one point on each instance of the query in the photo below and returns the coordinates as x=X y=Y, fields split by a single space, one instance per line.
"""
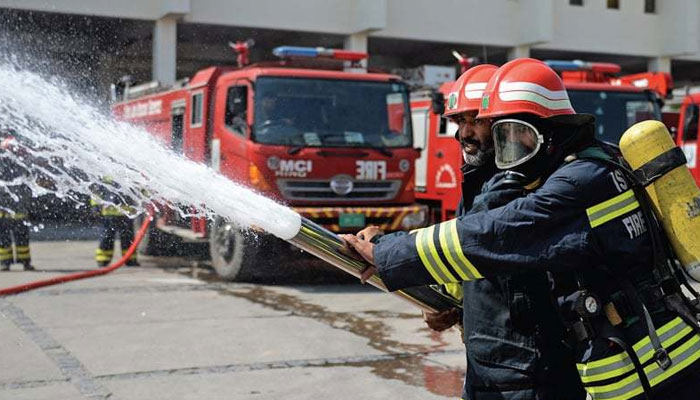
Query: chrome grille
x=319 y=190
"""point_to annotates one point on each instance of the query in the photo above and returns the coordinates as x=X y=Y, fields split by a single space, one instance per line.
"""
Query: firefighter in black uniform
x=635 y=335
x=495 y=306
x=114 y=211
x=15 y=200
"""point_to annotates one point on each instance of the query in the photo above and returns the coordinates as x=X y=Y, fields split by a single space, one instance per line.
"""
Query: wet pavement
x=160 y=333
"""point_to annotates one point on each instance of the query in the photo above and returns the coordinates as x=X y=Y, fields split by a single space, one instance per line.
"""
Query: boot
x=132 y=263
x=28 y=266
x=5 y=267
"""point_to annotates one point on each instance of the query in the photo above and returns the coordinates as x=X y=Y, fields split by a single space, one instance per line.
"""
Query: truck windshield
x=615 y=111
x=334 y=113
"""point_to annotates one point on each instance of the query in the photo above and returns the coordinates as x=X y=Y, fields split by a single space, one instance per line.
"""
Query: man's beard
x=479 y=159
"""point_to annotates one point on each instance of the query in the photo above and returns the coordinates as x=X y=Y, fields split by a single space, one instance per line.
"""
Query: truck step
x=184 y=233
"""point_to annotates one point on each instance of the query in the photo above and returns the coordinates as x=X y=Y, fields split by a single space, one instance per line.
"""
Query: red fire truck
x=335 y=143
x=438 y=176
x=687 y=134
x=616 y=102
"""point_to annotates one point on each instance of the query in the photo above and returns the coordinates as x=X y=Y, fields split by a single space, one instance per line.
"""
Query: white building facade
x=660 y=35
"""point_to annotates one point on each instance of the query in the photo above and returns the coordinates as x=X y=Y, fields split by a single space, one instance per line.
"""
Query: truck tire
x=242 y=256
x=156 y=243
x=233 y=251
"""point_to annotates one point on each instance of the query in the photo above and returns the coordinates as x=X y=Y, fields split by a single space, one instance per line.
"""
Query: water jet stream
x=68 y=145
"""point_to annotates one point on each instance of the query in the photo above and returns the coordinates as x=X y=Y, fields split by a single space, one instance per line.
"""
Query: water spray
x=72 y=145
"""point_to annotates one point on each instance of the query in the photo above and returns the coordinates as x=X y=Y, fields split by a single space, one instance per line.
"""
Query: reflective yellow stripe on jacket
x=612 y=208
x=103 y=255
x=443 y=257
x=5 y=253
x=10 y=215
x=114 y=211
x=23 y=253
x=676 y=336
x=455 y=290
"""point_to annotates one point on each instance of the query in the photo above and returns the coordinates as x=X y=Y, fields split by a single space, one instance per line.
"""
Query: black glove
x=503 y=188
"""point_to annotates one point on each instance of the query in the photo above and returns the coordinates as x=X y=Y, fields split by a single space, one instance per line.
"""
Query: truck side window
x=196 y=117
x=690 y=125
x=446 y=128
x=236 y=109
x=442 y=128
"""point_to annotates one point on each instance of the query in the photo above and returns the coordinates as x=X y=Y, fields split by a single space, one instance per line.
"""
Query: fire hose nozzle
x=329 y=247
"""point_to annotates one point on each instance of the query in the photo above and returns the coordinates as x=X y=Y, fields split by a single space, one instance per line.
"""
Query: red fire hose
x=82 y=275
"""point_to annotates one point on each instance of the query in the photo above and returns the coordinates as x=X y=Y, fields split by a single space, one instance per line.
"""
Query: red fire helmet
x=525 y=85
x=465 y=94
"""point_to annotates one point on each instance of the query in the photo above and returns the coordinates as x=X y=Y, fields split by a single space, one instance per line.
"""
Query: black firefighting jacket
x=584 y=228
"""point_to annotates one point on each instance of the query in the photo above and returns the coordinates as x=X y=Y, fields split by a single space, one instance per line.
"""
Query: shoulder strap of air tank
x=670 y=276
x=595 y=153
x=665 y=272
x=611 y=156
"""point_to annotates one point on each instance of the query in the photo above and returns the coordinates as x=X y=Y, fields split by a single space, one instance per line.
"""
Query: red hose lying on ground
x=82 y=275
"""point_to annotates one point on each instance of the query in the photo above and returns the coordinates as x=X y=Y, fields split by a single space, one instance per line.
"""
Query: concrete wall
x=671 y=31
x=508 y=28
x=549 y=24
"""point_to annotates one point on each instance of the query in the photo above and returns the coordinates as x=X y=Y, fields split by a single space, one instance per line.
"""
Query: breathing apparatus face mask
x=535 y=146
x=516 y=142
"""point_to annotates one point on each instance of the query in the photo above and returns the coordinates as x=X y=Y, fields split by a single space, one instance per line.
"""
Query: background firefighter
x=113 y=210
x=15 y=200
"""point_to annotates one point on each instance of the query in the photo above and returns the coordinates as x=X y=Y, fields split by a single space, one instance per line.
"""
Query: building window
x=614 y=4
x=576 y=2
x=650 y=6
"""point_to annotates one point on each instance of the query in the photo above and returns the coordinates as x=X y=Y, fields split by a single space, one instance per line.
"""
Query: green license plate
x=351 y=220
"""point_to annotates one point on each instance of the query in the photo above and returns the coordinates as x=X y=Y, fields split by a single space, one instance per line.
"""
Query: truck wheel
x=155 y=242
x=145 y=246
x=232 y=251
x=247 y=257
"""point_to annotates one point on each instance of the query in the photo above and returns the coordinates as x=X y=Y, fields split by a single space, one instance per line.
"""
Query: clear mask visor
x=515 y=141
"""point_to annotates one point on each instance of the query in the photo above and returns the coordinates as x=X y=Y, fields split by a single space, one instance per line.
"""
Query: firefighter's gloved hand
x=503 y=188
x=442 y=320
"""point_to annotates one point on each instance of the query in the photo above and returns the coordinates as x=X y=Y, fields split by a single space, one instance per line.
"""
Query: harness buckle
x=662 y=359
x=581 y=331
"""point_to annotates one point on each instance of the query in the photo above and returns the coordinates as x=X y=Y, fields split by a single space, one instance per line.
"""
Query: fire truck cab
x=438 y=174
x=334 y=144
x=687 y=135
x=616 y=102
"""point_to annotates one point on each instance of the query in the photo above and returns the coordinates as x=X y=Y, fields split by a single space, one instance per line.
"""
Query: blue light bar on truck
x=562 y=65
x=318 y=52
x=294 y=51
x=578 y=65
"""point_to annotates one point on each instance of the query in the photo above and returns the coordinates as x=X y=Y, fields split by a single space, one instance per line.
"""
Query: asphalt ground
x=178 y=333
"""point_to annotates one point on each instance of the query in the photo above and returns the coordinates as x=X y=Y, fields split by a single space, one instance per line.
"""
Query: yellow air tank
x=648 y=148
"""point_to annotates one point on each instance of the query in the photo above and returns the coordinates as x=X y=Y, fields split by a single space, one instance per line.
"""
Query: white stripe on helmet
x=522 y=95
x=474 y=90
x=535 y=88
x=474 y=94
x=475 y=86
